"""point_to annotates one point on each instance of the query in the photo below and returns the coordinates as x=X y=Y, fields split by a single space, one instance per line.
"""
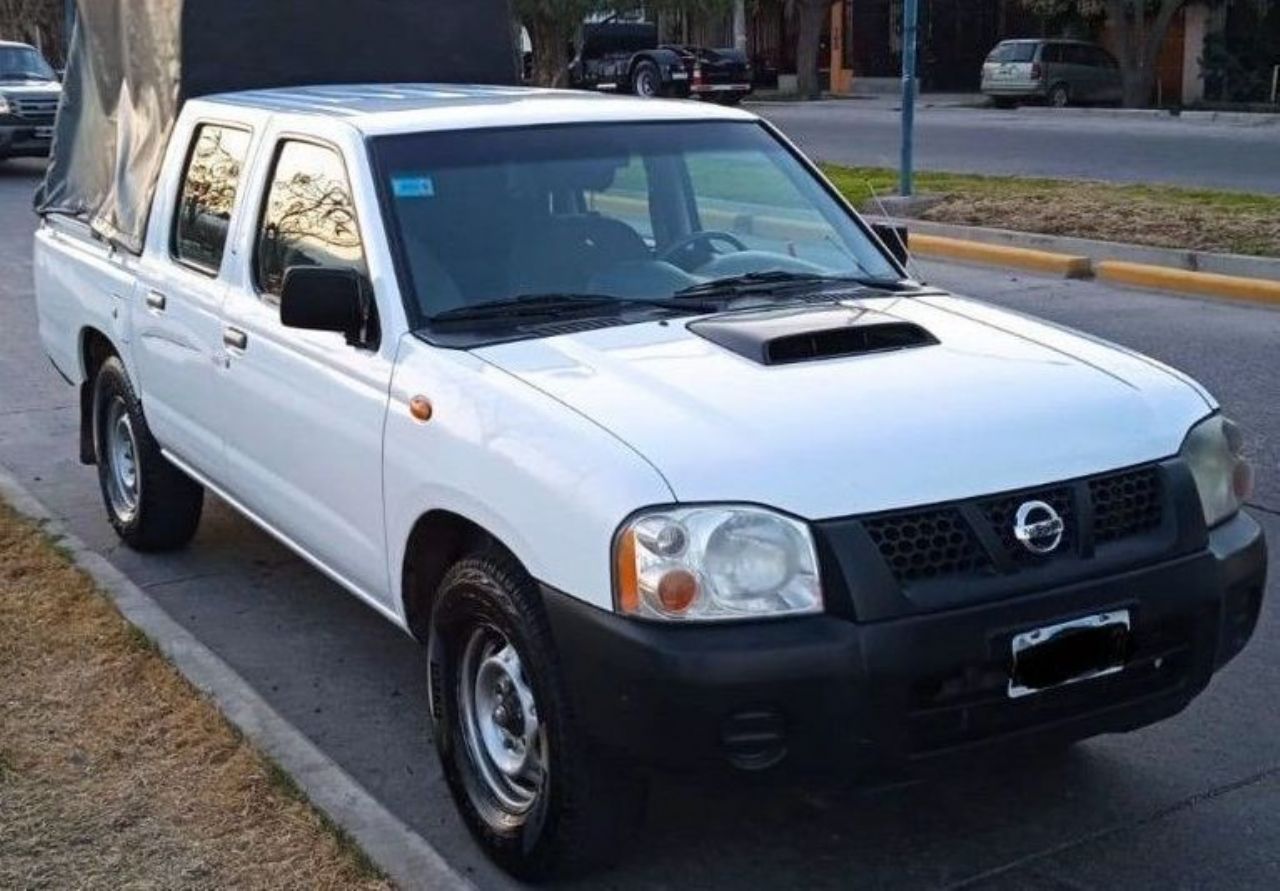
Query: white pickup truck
x=623 y=412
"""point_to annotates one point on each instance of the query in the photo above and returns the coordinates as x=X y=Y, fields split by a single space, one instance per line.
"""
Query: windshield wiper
x=539 y=305
x=779 y=280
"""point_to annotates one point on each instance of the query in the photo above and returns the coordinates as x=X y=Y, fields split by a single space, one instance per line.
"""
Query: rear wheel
x=531 y=790
x=646 y=81
x=152 y=505
x=1060 y=96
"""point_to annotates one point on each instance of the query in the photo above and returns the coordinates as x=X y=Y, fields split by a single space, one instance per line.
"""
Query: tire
x=152 y=505
x=1059 y=96
x=646 y=80
x=571 y=815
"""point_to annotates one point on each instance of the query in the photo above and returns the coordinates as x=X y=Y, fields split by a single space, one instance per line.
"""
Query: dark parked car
x=1060 y=72
x=29 y=95
x=626 y=57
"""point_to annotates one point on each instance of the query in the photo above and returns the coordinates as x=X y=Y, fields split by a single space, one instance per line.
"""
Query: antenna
x=912 y=269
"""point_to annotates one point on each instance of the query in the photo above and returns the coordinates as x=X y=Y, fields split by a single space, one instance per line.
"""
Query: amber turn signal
x=420 y=408
x=628 y=580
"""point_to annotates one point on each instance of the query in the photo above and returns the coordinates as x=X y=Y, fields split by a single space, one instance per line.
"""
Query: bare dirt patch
x=115 y=773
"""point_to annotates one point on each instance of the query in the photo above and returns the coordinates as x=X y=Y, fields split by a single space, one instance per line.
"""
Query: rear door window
x=1080 y=55
x=1100 y=58
x=208 y=196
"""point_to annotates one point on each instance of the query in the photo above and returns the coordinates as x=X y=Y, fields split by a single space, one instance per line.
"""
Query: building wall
x=955 y=37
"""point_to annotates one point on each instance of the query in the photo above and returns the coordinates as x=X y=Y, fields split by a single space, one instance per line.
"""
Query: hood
x=999 y=402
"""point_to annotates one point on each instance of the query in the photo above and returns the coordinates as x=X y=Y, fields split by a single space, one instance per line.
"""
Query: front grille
x=1001 y=513
x=956 y=540
x=1126 y=504
x=39 y=110
x=927 y=545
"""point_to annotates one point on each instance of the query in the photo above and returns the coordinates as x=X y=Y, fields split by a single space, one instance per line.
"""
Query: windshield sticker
x=413 y=185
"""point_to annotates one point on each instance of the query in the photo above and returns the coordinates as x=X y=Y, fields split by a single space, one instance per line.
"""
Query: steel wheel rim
x=124 y=482
x=645 y=84
x=501 y=726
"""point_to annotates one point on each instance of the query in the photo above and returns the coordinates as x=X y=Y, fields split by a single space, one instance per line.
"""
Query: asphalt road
x=1188 y=803
x=1038 y=142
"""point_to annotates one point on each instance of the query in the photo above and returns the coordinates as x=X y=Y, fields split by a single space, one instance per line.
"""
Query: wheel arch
x=94 y=349
x=438 y=539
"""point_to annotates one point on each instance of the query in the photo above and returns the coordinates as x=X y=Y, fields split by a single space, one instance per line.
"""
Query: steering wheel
x=685 y=242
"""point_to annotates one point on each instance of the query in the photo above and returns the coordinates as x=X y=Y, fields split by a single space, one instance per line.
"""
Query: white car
x=623 y=412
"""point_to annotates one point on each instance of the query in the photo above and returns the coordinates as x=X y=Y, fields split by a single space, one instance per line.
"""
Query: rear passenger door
x=177 y=314
x=304 y=437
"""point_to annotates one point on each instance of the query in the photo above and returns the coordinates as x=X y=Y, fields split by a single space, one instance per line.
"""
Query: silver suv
x=1060 y=72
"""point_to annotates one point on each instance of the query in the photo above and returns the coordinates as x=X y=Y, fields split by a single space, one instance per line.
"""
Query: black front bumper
x=889 y=699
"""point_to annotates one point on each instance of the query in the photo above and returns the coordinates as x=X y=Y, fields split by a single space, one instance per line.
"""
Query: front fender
x=548 y=483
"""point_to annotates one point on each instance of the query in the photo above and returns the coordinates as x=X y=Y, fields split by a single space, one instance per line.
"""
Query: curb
x=406 y=857
x=1202 y=283
x=1188 y=116
x=1239 y=265
x=1065 y=265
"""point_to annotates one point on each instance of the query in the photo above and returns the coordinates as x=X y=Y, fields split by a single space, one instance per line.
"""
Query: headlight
x=4 y=105
x=715 y=563
x=1224 y=479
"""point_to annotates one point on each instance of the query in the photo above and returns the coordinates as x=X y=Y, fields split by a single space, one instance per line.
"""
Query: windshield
x=634 y=212
x=23 y=63
x=1013 y=52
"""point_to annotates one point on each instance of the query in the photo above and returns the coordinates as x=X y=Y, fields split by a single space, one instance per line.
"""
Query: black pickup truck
x=626 y=57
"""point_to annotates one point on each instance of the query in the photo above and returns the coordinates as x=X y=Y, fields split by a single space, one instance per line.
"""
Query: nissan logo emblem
x=1038 y=527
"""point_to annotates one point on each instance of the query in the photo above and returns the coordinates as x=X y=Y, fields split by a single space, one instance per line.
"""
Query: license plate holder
x=1069 y=652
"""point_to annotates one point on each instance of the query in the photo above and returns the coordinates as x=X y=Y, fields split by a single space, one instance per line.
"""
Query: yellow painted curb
x=1065 y=265
x=1209 y=284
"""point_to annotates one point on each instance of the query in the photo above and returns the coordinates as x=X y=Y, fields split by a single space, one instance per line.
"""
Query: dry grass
x=115 y=773
x=1162 y=216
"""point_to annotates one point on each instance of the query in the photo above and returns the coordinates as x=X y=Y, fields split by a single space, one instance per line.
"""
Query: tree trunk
x=812 y=15
x=1140 y=41
x=550 y=51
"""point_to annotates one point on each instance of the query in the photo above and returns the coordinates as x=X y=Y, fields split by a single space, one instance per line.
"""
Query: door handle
x=156 y=301
x=235 y=338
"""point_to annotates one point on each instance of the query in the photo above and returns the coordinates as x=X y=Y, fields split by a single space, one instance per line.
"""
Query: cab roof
x=378 y=109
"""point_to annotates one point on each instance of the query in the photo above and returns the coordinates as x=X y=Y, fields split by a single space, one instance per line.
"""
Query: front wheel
x=152 y=505
x=530 y=788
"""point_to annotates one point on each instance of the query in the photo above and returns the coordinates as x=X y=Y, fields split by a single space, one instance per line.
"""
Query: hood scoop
x=791 y=336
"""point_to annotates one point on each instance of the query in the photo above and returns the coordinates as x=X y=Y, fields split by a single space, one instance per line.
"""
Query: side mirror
x=317 y=298
x=896 y=238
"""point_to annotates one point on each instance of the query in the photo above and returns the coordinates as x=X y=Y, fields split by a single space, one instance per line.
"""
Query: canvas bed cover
x=134 y=62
